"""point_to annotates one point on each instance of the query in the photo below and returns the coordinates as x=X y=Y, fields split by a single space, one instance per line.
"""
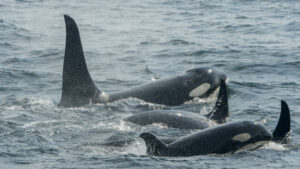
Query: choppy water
x=126 y=43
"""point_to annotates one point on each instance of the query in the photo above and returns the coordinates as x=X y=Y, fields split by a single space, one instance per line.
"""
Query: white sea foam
x=138 y=147
x=41 y=101
x=159 y=125
x=35 y=123
x=120 y=126
x=153 y=78
x=274 y=146
x=152 y=106
x=252 y=146
x=14 y=108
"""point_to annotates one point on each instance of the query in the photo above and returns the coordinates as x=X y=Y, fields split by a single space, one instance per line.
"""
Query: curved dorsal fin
x=284 y=123
x=154 y=145
x=78 y=87
x=220 y=111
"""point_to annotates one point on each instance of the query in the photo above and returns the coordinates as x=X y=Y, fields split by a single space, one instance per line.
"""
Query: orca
x=122 y=143
x=78 y=88
x=186 y=120
x=225 y=138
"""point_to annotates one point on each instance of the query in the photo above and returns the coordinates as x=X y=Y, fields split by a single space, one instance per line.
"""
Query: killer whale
x=221 y=139
x=122 y=143
x=186 y=120
x=78 y=88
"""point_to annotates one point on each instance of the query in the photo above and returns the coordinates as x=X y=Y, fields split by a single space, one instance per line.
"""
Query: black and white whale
x=221 y=139
x=78 y=88
x=187 y=120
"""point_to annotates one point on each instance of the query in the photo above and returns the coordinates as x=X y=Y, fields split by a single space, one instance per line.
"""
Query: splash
x=41 y=101
x=252 y=146
x=120 y=126
x=151 y=106
x=159 y=125
x=138 y=147
x=274 y=146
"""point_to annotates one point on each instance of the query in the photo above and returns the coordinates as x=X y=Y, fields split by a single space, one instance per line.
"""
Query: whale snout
x=223 y=77
x=264 y=135
x=267 y=136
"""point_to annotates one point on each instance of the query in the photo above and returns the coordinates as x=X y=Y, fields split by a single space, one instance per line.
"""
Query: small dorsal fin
x=154 y=145
x=284 y=123
x=220 y=111
x=78 y=88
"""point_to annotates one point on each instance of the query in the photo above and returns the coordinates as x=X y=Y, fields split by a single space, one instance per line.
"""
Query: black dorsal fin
x=284 y=123
x=220 y=111
x=154 y=145
x=78 y=87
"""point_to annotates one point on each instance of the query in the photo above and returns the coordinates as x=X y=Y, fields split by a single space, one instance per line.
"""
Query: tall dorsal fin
x=78 y=88
x=284 y=123
x=220 y=111
x=154 y=145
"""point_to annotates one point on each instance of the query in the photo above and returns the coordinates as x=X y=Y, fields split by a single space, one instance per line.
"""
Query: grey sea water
x=126 y=43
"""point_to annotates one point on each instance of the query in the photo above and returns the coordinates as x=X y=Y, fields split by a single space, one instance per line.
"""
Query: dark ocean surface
x=131 y=42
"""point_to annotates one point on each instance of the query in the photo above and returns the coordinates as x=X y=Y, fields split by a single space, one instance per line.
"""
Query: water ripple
x=127 y=44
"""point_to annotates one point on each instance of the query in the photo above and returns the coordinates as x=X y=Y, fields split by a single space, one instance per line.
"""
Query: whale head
x=245 y=135
x=204 y=81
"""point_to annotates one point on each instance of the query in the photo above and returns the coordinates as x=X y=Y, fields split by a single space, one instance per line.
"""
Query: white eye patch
x=215 y=93
x=242 y=137
x=200 y=90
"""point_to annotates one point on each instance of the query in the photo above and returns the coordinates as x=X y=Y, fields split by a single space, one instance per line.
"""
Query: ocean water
x=126 y=43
